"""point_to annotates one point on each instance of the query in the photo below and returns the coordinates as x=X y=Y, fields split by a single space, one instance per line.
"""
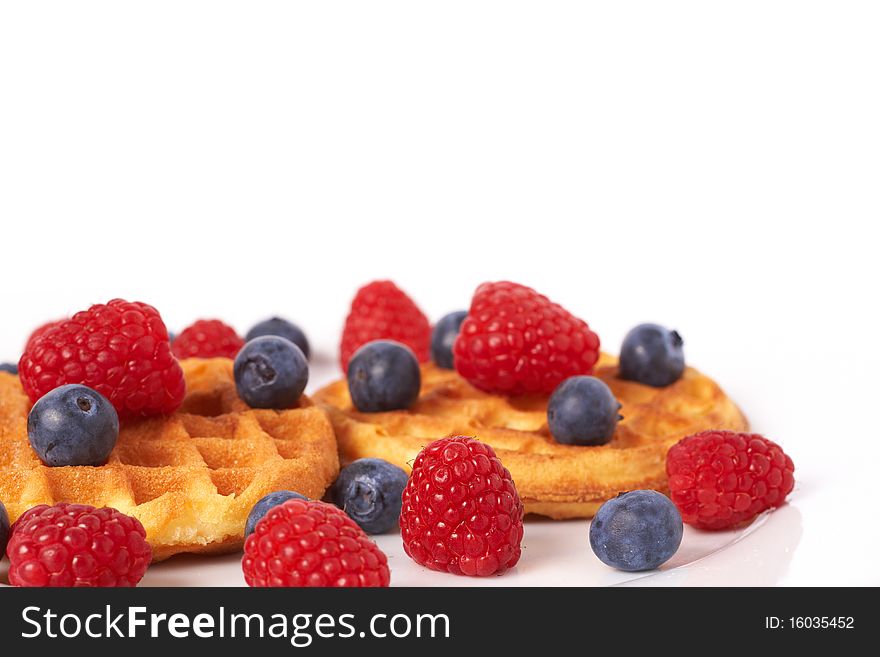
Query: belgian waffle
x=191 y=478
x=555 y=480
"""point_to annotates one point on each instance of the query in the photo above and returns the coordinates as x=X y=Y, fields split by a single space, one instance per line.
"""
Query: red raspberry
x=119 y=349
x=37 y=332
x=309 y=543
x=23 y=518
x=207 y=338
x=382 y=311
x=77 y=545
x=461 y=513
x=515 y=341
x=719 y=479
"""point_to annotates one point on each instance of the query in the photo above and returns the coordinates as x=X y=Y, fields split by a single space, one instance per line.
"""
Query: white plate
x=557 y=553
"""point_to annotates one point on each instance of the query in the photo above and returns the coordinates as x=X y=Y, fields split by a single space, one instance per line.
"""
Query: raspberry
x=461 y=513
x=77 y=545
x=515 y=341
x=719 y=479
x=309 y=543
x=382 y=311
x=119 y=349
x=37 y=332
x=23 y=518
x=207 y=338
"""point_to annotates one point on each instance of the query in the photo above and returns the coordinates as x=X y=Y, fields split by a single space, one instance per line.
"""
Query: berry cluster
x=303 y=543
x=719 y=479
x=515 y=341
x=77 y=545
x=207 y=338
x=382 y=311
x=120 y=349
x=458 y=511
x=461 y=511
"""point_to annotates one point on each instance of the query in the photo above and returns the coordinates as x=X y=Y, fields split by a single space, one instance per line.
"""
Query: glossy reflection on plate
x=557 y=553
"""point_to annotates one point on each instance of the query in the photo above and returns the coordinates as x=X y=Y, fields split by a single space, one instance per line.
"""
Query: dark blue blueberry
x=640 y=530
x=12 y=368
x=283 y=328
x=73 y=425
x=445 y=332
x=172 y=336
x=653 y=355
x=270 y=372
x=370 y=491
x=383 y=376
x=262 y=507
x=583 y=411
x=4 y=529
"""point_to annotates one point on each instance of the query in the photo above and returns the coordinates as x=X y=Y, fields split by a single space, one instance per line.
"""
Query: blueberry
x=640 y=530
x=4 y=529
x=370 y=491
x=73 y=425
x=445 y=332
x=262 y=507
x=653 y=355
x=12 y=368
x=383 y=376
x=583 y=411
x=283 y=328
x=270 y=372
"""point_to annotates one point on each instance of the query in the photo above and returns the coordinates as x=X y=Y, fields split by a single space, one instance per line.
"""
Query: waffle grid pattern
x=190 y=478
x=560 y=481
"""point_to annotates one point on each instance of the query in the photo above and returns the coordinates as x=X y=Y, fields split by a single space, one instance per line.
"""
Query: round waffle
x=191 y=478
x=555 y=480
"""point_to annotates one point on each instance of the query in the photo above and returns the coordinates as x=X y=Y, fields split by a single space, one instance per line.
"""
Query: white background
x=711 y=166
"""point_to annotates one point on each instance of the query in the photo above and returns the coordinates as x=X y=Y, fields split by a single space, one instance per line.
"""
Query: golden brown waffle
x=560 y=481
x=190 y=478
